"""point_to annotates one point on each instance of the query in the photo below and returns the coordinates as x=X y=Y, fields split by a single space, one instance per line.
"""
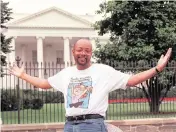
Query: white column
x=92 y=40
x=40 y=49
x=40 y=55
x=67 y=51
x=11 y=55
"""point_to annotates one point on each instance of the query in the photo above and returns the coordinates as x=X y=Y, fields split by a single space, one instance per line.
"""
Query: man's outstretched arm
x=142 y=76
x=38 y=82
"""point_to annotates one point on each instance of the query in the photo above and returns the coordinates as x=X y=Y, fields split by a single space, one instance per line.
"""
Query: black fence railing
x=23 y=103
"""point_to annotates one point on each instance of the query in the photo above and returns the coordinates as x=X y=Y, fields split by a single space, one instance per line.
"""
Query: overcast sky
x=73 y=6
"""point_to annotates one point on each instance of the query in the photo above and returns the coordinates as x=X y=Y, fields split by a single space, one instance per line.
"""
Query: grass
x=138 y=111
x=56 y=113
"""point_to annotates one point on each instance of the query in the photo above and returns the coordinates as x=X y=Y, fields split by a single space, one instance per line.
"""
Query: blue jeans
x=89 y=125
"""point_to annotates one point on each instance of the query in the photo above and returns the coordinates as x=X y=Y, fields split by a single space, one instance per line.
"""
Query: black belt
x=84 y=117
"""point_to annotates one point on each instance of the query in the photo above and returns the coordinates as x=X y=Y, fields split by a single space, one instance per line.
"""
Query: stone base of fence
x=135 y=125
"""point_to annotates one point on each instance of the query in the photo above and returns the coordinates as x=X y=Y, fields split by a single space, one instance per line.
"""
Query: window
x=59 y=56
x=34 y=56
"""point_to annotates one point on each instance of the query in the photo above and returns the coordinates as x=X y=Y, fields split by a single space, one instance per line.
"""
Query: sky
x=80 y=7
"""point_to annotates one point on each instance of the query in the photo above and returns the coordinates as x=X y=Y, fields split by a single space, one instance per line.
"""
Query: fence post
x=18 y=59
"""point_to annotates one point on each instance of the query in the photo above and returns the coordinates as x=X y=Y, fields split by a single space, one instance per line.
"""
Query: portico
x=43 y=48
x=48 y=37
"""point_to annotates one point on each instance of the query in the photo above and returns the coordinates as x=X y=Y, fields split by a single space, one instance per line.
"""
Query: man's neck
x=80 y=67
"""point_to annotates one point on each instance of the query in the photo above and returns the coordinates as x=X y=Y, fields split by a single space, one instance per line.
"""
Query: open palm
x=162 y=62
x=15 y=70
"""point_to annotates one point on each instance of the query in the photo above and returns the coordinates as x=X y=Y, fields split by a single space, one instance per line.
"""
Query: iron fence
x=22 y=103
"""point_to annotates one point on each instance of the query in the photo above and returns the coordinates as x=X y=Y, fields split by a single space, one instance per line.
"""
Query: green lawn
x=56 y=112
x=138 y=111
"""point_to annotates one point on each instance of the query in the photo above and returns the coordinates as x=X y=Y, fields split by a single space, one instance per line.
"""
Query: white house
x=47 y=36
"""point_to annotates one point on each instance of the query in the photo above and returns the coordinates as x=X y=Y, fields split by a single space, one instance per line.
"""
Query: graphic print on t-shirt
x=78 y=94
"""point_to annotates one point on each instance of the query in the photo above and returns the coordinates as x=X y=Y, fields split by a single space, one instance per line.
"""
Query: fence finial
x=18 y=59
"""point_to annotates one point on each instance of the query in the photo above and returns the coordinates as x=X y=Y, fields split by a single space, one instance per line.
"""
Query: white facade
x=46 y=36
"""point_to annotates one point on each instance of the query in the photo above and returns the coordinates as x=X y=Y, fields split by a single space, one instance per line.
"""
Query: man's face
x=77 y=91
x=82 y=52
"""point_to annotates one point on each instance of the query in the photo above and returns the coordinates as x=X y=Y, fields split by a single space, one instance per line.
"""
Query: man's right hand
x=15 y=70
x=19 y=72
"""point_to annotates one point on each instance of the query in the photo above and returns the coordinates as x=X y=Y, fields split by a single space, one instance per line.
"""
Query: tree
x=140 y=31
x=5 y=42
x=174 y=52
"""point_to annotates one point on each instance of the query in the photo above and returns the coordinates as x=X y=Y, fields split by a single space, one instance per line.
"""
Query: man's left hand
x=164 y=60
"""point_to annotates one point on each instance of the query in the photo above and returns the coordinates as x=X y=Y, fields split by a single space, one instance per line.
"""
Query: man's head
x=82 y=52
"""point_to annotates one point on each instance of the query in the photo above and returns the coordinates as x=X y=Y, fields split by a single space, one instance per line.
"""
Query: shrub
x=8 y=102
x=27 y=104
x=37 y=104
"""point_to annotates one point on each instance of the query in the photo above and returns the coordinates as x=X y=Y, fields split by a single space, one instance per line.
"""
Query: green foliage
x=174 y=52
x=133 y=93
x=5 y=42
x=9 y=101
x=27 y=104
x=140 y=30
x=30 y=99
x=37 y=104
x=127 y=94
x=172 y=92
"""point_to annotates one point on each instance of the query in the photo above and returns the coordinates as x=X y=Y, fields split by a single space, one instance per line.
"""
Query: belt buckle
x=81 y=117
x=84 y=117
x=76 y=118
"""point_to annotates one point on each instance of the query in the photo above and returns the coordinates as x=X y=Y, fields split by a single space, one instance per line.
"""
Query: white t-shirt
x=86 y=91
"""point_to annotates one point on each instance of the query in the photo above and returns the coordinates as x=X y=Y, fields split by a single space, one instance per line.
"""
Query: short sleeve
x=117 y=79
x=56 y=81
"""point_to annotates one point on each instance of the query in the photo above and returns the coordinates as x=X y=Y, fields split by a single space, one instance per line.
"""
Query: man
x=86 y=87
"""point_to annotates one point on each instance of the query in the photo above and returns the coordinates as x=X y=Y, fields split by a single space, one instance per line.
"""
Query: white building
x=47 y=36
